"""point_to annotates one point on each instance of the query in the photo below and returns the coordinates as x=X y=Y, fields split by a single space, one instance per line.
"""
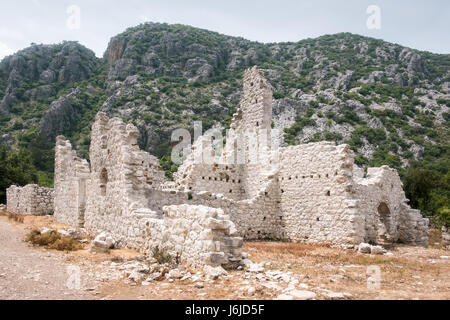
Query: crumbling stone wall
x=196 y=235
x=249 y=142
x=445 y=237
x=30 y=200
x=72 y=176
x=315 y=182
x=241 y=180
x=255 y=218
x=388 y=217
x=125 y=196
x=199 y=172
x=311 y=192
x=302 y=193
x=121 y=173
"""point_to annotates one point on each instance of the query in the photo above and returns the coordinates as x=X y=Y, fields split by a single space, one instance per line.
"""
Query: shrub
x=16 y=217
x=279 y=95
x=444 y=216
x=291 y=133
x=45 y=239
x=53 y=240
x=161 y=256
x=66 y=244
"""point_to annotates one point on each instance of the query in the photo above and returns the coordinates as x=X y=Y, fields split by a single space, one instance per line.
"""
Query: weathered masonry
x=311 y=192
x=122 y=193
x=30 y=200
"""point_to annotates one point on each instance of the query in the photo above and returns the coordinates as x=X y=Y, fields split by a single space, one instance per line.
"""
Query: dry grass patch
x=53 y=240
x=162 y=256
x=16 y=217
x=285 y=248
x=39 y=222
x=411 y=273
x=293 y=253
x=435 y=240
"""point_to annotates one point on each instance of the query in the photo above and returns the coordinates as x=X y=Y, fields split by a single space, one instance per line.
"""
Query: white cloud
x=5 y=50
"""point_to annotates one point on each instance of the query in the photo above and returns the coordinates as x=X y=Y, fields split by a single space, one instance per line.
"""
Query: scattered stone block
x=364 y=248
x=214 y=272
x=377 y=250
x=302 y=294
x=102 y=243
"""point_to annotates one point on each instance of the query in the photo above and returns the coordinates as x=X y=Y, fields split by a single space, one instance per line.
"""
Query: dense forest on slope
x=389 y=103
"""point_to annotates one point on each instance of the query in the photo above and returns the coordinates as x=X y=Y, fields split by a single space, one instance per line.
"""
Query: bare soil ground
x=28 y=273
x=331 y=273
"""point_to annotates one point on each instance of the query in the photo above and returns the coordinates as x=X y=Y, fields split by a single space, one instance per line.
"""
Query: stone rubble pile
x=102 y=243
x=370 y=249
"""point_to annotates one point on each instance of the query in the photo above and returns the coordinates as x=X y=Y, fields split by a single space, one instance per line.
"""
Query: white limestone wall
x=305 y=193
x=215 y=178
x=316 y=205
x=125 y=198
x=30 y=200
x=250 y=134
x=13 y=203
x=260 y=218
x=72 y=177
x=256 y=218
x=445 y=237
x=388 y=217
x=107 y=199
x=202 y=171
x=121 y=173
x=197 y=235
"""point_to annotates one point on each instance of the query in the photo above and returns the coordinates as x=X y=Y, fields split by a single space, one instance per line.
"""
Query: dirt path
x=27 y=273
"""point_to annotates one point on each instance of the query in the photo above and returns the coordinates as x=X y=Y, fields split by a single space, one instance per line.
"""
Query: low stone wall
x=30 y=200
x=195 y=235
x=254 y=218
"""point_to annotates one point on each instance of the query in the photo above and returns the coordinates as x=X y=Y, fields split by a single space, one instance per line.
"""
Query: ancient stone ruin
x=252 y=189
x=311 y=192
x=30 y=200
x=122 y=193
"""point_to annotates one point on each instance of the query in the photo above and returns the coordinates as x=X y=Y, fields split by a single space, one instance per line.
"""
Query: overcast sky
x=423 y=25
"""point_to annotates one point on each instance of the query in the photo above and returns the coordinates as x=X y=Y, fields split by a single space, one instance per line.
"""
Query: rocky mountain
x=36 y=72
x=390 y=103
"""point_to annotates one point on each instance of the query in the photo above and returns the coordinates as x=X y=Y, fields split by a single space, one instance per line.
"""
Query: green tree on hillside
x=16 y=167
